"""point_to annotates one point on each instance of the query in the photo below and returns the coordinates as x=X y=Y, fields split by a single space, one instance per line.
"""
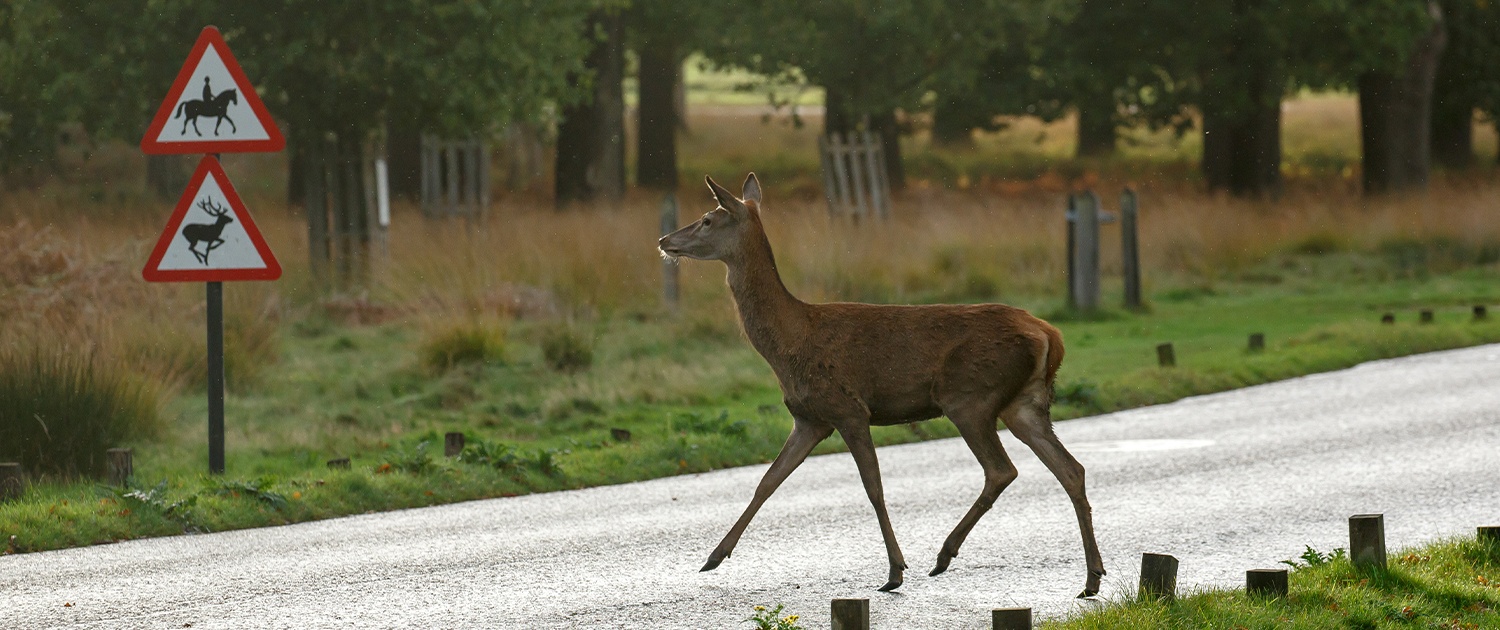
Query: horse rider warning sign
x=212 y=107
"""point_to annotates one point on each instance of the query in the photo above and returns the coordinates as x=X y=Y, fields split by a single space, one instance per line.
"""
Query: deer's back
x=905 y=363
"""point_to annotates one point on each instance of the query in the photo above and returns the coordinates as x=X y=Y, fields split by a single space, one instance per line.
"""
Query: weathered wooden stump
x=1426 y=316
x=1011 y=619
x=1388 y=318
x=1367 y=540
x=851 y=614
x=120 y=466
x=1257 y=342
x=341 y=463
x=619 y=435
x=1480 y=313
x=1266 y=582
x=1165 y=355
x=669 y=269
x=12 y=483
x=1158 y=576
x=1490 y=534
x=453 y=444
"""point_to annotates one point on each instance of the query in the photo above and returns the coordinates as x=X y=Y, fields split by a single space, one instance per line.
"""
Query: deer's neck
x=773 y=319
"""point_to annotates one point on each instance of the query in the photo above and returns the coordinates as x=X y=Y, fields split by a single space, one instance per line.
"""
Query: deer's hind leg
x=1030 y=419
x=977 y=426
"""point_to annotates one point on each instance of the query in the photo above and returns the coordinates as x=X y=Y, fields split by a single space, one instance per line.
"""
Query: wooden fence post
x=341 y=463
x=1388 y=318
x=851 y=614
x=12 y=483
x=1257 y=342
x=1158 y=576
x=669 y=269
x=1266 y=582
x=1489 y=534
x=1165 y=355
x=1367 y=540
x=1480 y=312
x=119 y=465
x=1011 y=619
x=1426 y=316
x=619 y=435
x=1085 y=284
x=1130 y=254
x=453 y=444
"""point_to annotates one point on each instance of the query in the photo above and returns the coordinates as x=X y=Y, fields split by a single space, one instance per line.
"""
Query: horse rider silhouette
x=214 y=106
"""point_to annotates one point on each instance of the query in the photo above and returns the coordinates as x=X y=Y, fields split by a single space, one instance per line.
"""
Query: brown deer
x=845 y=366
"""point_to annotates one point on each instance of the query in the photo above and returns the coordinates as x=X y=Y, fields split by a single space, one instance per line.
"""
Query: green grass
x=1450 y=585
x=692 y=394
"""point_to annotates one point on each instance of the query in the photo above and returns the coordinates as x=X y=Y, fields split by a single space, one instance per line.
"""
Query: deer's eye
x=707 y=221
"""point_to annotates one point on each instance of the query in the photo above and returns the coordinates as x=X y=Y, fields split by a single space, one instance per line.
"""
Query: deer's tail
x=1054 y=355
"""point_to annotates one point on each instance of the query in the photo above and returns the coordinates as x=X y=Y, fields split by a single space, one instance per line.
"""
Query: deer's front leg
x=857 y=436
x=805 y=436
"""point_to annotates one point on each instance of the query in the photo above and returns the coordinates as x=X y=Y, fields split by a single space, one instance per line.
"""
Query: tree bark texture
x=1395 y=116
x=888 y=130
x=403 y=148
x=167 y=175
x=1242 y=113
x=591 y=138
x=1096 y=127
x=656 y=136
x=1453 y=90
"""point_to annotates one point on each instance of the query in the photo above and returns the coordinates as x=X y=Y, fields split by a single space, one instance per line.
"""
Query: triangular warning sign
x=210 y=236
x=212 y=107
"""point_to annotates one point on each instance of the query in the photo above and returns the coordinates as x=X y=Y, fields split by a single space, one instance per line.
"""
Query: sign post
x=210 y=236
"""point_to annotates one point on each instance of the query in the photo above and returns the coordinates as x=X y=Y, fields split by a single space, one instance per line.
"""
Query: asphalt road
x=1226 y=483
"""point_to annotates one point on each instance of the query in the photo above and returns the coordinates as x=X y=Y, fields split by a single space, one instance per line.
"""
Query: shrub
x=566 y=349
x=61 y=409
x=467 y=343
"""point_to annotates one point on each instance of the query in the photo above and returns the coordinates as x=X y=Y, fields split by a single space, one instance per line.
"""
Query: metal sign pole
x=216 y=378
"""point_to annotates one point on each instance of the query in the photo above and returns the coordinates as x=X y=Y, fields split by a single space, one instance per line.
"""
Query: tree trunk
x=1453 y=134
x=656 y=135
x=950 y=125
x=403 y=148
x=1096 y=128
x=1242 y=150
x=886 y=128
x=836 y=116
x=1395 y=116
x=591 y=138
x=167 y=175
x=1454 y=97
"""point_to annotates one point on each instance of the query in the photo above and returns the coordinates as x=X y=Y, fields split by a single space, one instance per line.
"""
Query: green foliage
x=155 y=498
x=771 y=619
x=704 y=424
x=258 y=489
x=567 y=349
x=61 y=409
x=460 y=344
x=1313 y=558
x=502 y=456
x=415 y=460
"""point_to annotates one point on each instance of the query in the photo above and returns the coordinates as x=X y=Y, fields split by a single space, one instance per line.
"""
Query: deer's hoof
x=1091 y=587
x=942 y=564
x=895 y=581
x=713 y=561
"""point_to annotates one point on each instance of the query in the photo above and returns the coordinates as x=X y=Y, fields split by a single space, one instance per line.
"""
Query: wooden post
x=669 y=269
x=1489 y=534
x=1165 y=356
x=484 y=177
x=12 y=483
x=1480 y=312
x=1367 y=540
x=830 y=191
x=841 y=173
x=1086 y=253
x=619 y=435
x=1388 y=318
x=851 y=614
x=1257 y=342
x=453 y=444
x=857 y=149
x=117 y=461
x=1070 y=215
x=1266 y=582
x=1011 y=619
x=315 y=203
x=1426 y=316
x=875 y=165
x=341 y=463
x=1158 y=576
x=1130 y=255
x=450 y=200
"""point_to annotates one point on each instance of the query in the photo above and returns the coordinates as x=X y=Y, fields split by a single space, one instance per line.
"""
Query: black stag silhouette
x=207 y=232
x=216 y=107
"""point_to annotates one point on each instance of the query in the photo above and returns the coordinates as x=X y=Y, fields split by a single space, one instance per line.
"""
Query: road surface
x=1226 y=482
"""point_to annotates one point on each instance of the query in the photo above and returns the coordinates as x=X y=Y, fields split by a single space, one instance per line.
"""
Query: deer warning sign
x=212 y=107
x=210 y=236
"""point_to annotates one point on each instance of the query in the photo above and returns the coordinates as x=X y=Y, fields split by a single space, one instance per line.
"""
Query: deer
x=847 y=366
x=207 y=232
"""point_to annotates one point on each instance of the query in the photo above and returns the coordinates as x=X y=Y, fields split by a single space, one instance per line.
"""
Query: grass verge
x=1451 y=585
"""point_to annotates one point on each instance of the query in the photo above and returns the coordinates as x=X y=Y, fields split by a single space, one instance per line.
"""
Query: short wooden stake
x=1165 y=356
x=619 y=435
x=1367 y=540
x=1388 y=318
x=453 y=444
x=1011 y=619
x=119 y=465
x=1426 y=316
x=1266 y=582
x=1480 y=312
x=12 y=484
x=1490 y=534
x=341 y=463
x=1130 y=257
x=1257 y=342
x=851 y=614
x=1158 y=576
x=669 y=269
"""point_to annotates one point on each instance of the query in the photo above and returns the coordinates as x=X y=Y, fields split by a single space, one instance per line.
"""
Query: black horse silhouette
x=207 y=232
x=218 y=107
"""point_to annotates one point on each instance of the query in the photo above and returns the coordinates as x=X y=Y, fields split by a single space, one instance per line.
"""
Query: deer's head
x=724 y=232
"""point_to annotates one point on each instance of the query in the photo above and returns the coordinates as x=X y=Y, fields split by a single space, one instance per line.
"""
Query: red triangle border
x=210 y=36
x=210 y=167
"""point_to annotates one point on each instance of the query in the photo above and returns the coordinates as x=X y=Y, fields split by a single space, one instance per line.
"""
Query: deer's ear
x=726 y=199
x=751 y=190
